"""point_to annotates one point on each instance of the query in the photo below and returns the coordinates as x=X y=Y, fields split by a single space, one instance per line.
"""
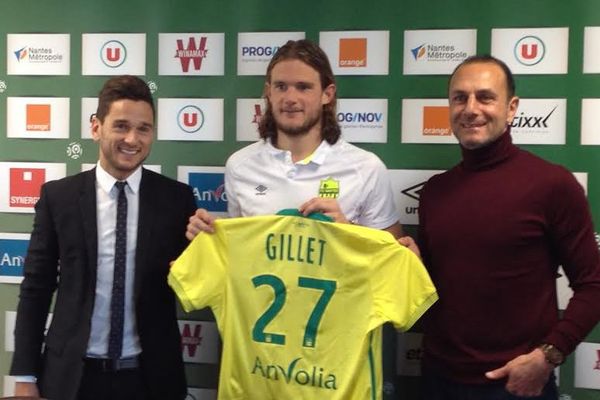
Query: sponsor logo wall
x=186 y=56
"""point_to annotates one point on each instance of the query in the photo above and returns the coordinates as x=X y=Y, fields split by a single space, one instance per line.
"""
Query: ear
x=328 y=94
x=513 y=105
x=95 y=129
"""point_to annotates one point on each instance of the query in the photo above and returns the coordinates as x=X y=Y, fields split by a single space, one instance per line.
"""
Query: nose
x=130 y=136
x=471 y=105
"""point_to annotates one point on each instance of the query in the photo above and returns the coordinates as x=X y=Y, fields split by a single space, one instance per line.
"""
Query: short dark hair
x=486 y=58
x=312 y=55
x=122 y=87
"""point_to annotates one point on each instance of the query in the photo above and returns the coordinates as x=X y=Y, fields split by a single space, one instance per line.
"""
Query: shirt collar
x=317 y=157
x=107 y=181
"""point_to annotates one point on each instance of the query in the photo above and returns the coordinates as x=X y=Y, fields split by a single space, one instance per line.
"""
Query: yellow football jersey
x=300 y=303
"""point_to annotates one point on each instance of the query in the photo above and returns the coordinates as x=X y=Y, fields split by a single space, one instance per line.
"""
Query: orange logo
x=38 y=117
x=436 y=121
x=353 y=52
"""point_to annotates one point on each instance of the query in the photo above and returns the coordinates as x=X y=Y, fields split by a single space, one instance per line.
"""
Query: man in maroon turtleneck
x=493 y=231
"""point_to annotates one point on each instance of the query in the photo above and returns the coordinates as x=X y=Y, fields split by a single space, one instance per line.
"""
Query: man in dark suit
x=102 y=240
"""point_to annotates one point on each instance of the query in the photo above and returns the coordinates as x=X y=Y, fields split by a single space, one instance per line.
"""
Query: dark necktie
x=117 y=304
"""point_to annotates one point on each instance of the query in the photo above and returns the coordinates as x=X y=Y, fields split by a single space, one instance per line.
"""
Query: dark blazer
x=65 y=231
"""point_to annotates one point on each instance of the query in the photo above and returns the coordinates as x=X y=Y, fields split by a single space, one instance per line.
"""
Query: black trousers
x=124 y=384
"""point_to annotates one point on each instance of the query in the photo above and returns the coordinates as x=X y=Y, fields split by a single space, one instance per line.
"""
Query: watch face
x=553 y=355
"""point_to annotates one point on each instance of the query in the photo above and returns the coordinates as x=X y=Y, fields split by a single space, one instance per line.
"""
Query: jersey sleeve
x=198 y=274
x=379 y=208
x=402 y=288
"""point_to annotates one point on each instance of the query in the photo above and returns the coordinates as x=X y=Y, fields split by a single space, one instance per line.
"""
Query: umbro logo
x=261 y=190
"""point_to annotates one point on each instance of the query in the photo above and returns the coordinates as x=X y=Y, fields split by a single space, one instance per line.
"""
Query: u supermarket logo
x=530 y=50
x=353 y=52
x=113 y=54
x=190 y=119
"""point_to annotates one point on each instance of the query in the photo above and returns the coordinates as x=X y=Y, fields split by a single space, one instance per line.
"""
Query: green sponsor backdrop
x=310 y=16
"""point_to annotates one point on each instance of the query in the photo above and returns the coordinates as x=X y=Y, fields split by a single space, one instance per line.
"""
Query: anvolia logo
x=293 y=373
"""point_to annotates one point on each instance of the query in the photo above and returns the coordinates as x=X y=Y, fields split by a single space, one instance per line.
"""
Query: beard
x=300 y=130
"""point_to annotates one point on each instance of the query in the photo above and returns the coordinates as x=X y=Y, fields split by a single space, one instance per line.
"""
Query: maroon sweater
x=493 y=231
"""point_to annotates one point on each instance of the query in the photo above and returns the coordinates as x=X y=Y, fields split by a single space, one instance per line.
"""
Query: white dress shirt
x=106 y=216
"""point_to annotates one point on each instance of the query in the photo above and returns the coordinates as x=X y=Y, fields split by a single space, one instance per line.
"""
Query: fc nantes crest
x=329 y=188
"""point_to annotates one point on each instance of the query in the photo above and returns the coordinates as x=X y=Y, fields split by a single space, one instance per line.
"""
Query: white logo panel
x=20 y=183
x=540 y=121
x=437 y=52
x=532 y=50
x=255 y=50
x=190 y=119
x=199 y=341
x=191 y=53
x=38 y=54
x=406 y=186
x=37 y=117
x=590 y=129
x=357 y=52
x=591 y=56
x=113 y=54
x=248 y=114
x=426 y=121
x=363 y=120
x=587 y=366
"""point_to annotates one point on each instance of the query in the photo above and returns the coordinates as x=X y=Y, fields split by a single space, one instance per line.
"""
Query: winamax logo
x=12 y=256
x=191 y=338
x=530 y=50
x=25 y=186
x=113 y=53
x=193 y=52
x=353 y=52
x=190 y=119
x=209 y=190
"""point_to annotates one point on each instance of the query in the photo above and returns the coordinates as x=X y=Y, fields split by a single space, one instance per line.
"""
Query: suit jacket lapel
x=148 y=211
x=87 y=206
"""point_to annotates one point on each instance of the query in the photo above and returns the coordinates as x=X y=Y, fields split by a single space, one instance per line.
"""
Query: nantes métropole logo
x=314 y=376
x=418 y=52
x=37 y=117
x=191 y=339
x=530 y=50
x=436 y=121
x=113 y=53
x=192 y=53
x=21 y=54
x=25 y=184
x=353 y=52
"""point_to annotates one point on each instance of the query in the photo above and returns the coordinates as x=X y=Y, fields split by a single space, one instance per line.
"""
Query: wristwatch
x=553 y=355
